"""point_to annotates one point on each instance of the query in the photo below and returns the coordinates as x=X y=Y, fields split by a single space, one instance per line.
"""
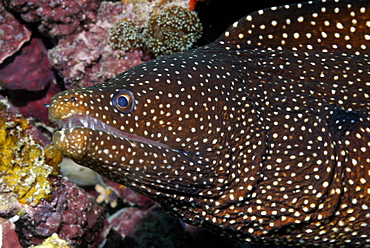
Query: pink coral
x=87 y=58
x=8 y=236
x=12 y=34
x=56 y=18
x=71 y=213
x=126 y=220
x=31 y=195
x=29 y=70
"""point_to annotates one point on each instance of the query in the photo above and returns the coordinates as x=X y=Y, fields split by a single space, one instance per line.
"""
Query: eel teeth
x=92 y=123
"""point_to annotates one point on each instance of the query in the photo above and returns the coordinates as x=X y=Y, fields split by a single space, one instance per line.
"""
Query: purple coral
x=87 y=58
x=56 y=18
x=71 y=213
x=126 y=220
x=8 y=236
x=12 y=34
x=29 y=70
x=39 y=202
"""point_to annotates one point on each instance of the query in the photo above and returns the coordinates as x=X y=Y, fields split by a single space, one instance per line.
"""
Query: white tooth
x=101 y=125
x=69 y=124
x=85 y=123
x=91 y=124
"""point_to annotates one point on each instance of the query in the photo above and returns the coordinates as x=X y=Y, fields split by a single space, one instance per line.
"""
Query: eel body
x=261 y=136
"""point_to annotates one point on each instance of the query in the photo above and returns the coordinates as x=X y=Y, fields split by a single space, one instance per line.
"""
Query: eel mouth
x=89 y=122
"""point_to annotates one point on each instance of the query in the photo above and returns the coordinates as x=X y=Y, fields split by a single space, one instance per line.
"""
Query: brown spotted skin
x=262 y=136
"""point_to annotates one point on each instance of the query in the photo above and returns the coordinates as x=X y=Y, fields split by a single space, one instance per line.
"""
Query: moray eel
x=261 y=136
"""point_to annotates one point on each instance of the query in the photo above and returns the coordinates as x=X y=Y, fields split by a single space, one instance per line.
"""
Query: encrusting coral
x=8 y=236
x=23 y=167
x=71 y=213
x=12 y=34
x=56 y=18
x=29 y=69
x=53 y=242
x=34 y=197
x=87 y=58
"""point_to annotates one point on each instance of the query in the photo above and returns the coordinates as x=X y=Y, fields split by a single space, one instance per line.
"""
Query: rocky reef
x=23 y=165
x=32 y=194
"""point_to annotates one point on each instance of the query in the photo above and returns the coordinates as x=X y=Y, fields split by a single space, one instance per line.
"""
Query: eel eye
x=124 y=101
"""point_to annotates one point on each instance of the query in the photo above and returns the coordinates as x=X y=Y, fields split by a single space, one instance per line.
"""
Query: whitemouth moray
x=262 y=136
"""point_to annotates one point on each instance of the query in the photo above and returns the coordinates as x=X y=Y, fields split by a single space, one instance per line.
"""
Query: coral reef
x=172 y=30
x=56 y=18
x=38 y=130
x=12 y=34
x=53 y=242
x=53 y=156
x=24 y=170
x=71 y=213
x=87 y=58
x=8 y=236
x=27 y=79
x=29 y=70
x=126 y=220
x=40 y=202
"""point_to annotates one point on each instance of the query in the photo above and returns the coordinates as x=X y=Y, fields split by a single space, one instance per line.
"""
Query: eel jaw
x=92 y=123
